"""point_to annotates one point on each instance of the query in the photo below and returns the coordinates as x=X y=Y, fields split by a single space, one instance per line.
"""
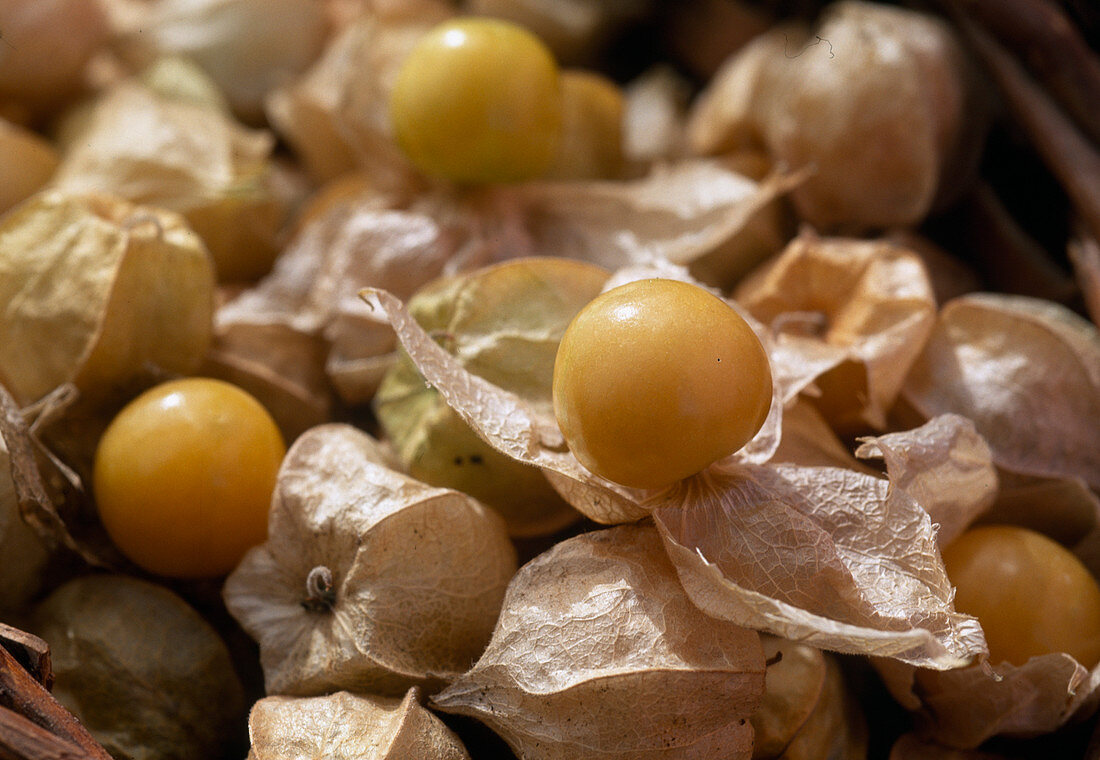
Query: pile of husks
x=904 y=202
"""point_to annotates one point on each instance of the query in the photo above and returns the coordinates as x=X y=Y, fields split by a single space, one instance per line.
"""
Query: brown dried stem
x=29 y=651
x=1067 y=153
x=1049 y=44
x=21 y=739
x=22 y=696
x=1084 y=254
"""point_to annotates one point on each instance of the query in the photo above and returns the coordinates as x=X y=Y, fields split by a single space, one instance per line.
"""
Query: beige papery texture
x=834 y=557
x=336 y=116
x=248 y=47
x=27 y=161
x=949 y=469
x=945 y=465
x=1027 y=372
x=852 y=315
x=807 y=711
x=98 y=292
x=599 y=654
x=184 y=155
x=369 y=581
x=878 y=100
x=346 y=726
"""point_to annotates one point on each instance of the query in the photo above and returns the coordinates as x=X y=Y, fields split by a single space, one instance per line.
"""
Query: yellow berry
x=478 y=100
x=1031 y=595
x=656 y=379
x=184 y=474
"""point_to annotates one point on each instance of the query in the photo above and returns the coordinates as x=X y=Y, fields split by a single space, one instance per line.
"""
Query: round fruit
x=1031 y=595
x=184 y=474
x=656 y=379
x=478 y=100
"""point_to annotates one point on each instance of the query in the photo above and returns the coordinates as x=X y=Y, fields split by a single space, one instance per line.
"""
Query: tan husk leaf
x=678 y=212
x=346 y=726
x=142 y=670
x=97 y=292
x=1064 y=509
x=310 y=299
x=831 y=557
x=808 y=440
x=369 y=581
x=965 y=707
x=513 y=426
x=336 y=116
x=869 y=306
x=879 y=100
x=599 y=654
x=945 y=465
x=1027 y=373
x=503 y=323
x=186 y=156
x=912 y=747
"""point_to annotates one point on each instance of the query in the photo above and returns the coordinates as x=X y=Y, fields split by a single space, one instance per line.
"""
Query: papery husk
x=98 y=292
x=688 y=211
x=808 y=440
x=945 y=465
x=336 y=116
x=1027 y=372
x=45 y=47
x=24 y=554
x=1064 y=509
x=503 y=323
x=807 y=711
x=142 y=670
x=830 y=557
x=346 y=726
x=248 y=47
x=653 y=117
x=881 y=101
x=599 y=654
x=965 y=707
x=369 y=581
x=867 y=307
x=27 y=162
x=185 y=156
x=305 y=320
x=885 y=590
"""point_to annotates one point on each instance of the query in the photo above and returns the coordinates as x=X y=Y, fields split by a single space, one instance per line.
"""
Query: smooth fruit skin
x=656 y=379
x=1031 y=595
x=478 y=100
x=184 y=474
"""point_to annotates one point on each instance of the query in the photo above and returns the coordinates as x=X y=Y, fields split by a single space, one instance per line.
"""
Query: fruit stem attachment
x=320 y=594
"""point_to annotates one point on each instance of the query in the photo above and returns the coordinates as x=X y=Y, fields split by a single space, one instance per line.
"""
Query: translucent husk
x=248 y=47
x=23 y=552
x=336 y=116
x=503 y=323
x=861 y=310
x=26 y=163
x=599 y=653
x=830 y=556
x=140 y=668
x=186 y=156
x=346 y=726
x=1027 y=372
x=807 y=710
x=369 y=581
x=99 y=292
x=653 y=117
x=880 y=101
x=950 y=469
